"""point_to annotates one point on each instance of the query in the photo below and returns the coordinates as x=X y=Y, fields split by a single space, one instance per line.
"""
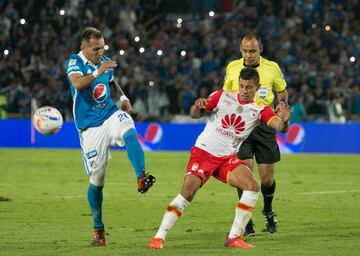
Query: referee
x=262 y=141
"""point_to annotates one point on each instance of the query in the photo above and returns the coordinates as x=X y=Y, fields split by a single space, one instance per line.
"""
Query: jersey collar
x=260 y=60
x=84 y=59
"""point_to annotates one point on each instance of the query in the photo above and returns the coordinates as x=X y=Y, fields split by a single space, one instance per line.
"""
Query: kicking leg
x=137 y=159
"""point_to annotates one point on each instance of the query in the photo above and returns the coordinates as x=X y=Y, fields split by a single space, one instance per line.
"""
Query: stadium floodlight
x=179 y=20
x=22 y=21
x=352 y=59
x=6 y=52
x=159 y=52
x=121 y=52
x=151 y=83
x=106 y=47
x=183 y=53
x=62 y=12
x=136 y=38
x=327 y=28
x=211 y=13
x=141 y=49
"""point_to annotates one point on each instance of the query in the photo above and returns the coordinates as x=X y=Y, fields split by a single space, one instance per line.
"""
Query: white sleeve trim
x=75 y=72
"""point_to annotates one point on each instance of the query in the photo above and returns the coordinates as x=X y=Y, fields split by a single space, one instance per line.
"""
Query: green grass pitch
x=44 y=211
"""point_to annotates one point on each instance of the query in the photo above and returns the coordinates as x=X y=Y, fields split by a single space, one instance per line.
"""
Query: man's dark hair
x=248 y=73
x=250 y=36
x=89 y=33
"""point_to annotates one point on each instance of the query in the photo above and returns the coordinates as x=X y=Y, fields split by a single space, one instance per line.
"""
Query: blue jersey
x=93 y=104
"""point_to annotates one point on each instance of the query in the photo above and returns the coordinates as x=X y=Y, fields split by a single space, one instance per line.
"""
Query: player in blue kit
x=100 y=122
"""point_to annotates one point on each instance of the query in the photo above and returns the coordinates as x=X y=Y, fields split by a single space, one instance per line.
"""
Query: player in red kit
x=232 y=118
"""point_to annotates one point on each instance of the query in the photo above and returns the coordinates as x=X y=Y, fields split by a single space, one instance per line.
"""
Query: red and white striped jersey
x=230 y=123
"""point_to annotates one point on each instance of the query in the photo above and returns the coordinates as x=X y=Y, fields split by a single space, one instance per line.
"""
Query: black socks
x=268 y=194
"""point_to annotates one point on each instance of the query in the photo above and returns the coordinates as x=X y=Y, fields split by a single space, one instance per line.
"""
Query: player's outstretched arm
x=281 y=121
x=198 y=109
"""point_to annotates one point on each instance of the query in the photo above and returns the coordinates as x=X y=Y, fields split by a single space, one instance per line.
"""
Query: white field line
x=76 y=196
x=71 y=197
x=329 y=192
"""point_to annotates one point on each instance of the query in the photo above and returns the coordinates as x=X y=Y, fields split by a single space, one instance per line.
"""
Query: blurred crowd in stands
x=171 y=52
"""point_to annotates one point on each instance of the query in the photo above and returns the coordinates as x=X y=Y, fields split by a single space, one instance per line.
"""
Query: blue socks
x=134 y=151
x=95 y=198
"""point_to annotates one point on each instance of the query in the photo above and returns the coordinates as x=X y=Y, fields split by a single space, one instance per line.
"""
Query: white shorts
x=96 y=141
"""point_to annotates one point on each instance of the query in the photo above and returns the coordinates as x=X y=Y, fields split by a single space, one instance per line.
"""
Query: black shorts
x=262 y=143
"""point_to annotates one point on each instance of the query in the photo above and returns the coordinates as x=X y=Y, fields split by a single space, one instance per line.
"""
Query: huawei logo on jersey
x=99 y=93
x=233 y=121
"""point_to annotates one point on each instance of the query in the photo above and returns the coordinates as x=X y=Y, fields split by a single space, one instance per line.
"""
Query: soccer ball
x=47 y=120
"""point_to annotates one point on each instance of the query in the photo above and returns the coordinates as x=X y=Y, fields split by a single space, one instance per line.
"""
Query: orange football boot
x=236 y=242
x=156 y=243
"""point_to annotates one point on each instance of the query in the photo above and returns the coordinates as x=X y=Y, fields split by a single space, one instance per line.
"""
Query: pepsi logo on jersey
x=99 y=93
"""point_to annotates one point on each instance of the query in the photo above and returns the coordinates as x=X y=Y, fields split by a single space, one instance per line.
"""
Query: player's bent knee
x=267 y=180
x=126 y=128
x=129 y=133
x=191 y=185
x=97 y=178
